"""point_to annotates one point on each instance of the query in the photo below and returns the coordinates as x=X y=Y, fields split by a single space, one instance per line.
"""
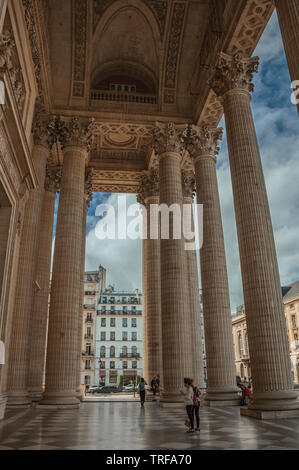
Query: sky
x=276 y=121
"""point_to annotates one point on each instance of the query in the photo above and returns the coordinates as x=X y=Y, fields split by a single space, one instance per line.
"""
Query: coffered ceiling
x=130 y=63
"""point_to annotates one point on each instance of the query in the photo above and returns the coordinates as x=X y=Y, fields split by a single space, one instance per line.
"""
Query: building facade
x=94 y=284
x=240 y=334
x=118 y=338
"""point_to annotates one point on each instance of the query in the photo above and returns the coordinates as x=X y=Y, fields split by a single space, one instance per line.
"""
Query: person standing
x=187 y=393
x=158 y=383
x=141 y=390
x=154 y=386
x=196 y=404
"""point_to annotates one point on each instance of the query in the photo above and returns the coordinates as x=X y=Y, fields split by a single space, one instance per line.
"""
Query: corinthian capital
x=53 y=179
x=233 y=72
x=149 y=186
x=73 y=132
x=167 y=138
x=41 y=134
x=188 y=184
x=202 y=140
x=88 y=186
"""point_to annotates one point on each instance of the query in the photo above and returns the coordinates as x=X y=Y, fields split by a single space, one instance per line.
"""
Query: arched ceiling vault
x=129 y=63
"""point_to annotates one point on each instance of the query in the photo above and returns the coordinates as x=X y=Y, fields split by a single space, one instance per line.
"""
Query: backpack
x=195 y=397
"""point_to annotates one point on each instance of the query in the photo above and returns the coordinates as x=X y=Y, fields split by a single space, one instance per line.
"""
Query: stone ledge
x=263 y=415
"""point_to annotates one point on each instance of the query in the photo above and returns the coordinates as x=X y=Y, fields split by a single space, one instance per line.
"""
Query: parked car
x=129 y=388
x=109 y=389
x=94 y=389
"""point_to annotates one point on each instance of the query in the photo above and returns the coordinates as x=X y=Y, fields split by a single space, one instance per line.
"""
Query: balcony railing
x=86 y=353
x=89 y=320
x=90 y=292
x=119 y=312
x=107 y=95
x=130 y=355
x=88 y=336
x=89 y=307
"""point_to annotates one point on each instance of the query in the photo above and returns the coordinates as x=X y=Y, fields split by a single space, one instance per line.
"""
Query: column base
x=65 y=399
x=219 y=397
x=3 y=401
x=263 y=415
x=36 y=395
x=19 y=399
x=170 y=399
x=274 y=402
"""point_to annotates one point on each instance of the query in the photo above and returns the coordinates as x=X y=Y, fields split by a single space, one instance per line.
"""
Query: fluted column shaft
x=145 y=362
x=153 y=299
x=41 y=299
x=288 y=15
x=62 y=355
x=81 y=299
x=221 y=374
x=20 y=335
x=194 y=310
x=267 y=335
x=176 y=334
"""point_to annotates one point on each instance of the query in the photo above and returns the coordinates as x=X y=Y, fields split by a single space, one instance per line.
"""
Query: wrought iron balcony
x=130 y=355
x=128 y=97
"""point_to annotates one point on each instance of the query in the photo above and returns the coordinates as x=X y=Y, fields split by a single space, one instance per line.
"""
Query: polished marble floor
x=125 y=426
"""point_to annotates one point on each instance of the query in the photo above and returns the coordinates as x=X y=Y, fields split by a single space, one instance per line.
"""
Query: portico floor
x=125 y=426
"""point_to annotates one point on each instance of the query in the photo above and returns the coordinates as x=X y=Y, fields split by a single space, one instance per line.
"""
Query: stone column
x=62 y=351
x=149 y=194
x=86 y=202
x=26 y=281
x=288 y=15
x=202 y=144
x=41 y=300
x=144 y=311
x=193 y=288
x=176 y=344
x=267 y=334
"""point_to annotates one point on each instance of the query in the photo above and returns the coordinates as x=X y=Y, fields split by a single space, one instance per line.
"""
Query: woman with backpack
x=187 y=393
x=196 y=404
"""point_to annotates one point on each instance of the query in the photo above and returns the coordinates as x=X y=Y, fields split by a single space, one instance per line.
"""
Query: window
x=134 y=351
x=104 y=300
x=125 y=336
x=112 y=335
x=87 y=364
x=125 y=364
x=88 y=332
x=134 y=336
x=134 y=365
x=134 y=322
x=88 y=349
x=87 y=379
x=241 y=346
x=112 y=322
x=112 y=351
x=103 y=321
x=124 y=300
x=125 y=322
x=294 y=321
x=292 y=306
x=103 y=336
x=112 y=365
x=103 y=351
x=124 y=351
x=102 y=364
x=134 y=309
x=113 y=379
